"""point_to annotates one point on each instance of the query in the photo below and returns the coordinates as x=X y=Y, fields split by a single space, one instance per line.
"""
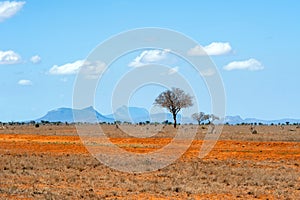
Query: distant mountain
x=88 y=114
x=238 y=120
x=130 y=114
x=160 y=117
x=233 y=119
x=136 y=115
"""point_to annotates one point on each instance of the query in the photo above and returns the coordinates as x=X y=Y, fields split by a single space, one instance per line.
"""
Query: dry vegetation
x=50 y=162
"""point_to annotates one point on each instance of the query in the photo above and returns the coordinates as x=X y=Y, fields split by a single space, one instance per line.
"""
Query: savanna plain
x=51 y=162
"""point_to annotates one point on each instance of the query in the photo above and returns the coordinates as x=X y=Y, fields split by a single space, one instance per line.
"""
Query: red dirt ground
x=249 y=150
x=279 y=152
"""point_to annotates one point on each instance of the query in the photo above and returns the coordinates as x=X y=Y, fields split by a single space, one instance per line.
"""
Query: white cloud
x=251 y=64
x=213 y=49
x=173 y=70
x=148 y=57
x=9 y=9
x=25 y=82
x=9 y=57
x=35 y=59
x=66 y=69
x=208 y=72
x=196 y=51
x=91 y=70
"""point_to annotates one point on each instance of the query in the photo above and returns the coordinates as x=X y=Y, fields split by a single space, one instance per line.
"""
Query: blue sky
x=254 y=44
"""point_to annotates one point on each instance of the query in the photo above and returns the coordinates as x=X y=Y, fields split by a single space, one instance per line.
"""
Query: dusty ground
x=50 y=162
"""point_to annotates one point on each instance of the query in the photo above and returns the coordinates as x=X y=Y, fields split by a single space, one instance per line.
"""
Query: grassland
x=50 y=162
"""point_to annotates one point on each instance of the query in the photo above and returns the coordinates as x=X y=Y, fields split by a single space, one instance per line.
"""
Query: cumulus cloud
x=148 y=57
x=208 y=72
x=9 y=9
x=173 y=70
x=35 y=59
x=251 y=65
x=25 y=82
x=9 y=57
x=91 y=70
x=66 y=69
x=213 y=49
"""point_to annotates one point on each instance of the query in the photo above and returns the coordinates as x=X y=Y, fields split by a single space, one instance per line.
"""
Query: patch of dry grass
x=81 y=176
x=70 y=175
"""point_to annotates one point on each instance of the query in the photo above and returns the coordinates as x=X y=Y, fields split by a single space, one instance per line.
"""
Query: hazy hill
x=88 y=114
x=136 y=115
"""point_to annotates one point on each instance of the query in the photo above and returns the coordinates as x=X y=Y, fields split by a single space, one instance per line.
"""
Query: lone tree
x=211 y=118
x=199 y=117
x=174 y=100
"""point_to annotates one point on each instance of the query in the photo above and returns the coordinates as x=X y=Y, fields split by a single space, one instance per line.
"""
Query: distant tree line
x=206 y=120
x=263 y=124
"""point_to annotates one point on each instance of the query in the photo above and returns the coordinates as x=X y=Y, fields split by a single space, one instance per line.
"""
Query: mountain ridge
x=88 y=114
x=137 y=114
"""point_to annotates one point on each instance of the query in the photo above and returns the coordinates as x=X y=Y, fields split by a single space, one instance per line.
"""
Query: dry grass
x=229 y=172
x=81 y=176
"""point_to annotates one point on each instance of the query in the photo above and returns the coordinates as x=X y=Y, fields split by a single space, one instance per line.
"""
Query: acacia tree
x=174 y=100
x=199 y=117
x=211 y=118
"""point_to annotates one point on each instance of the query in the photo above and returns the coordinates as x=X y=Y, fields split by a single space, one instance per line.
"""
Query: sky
x=254 y=45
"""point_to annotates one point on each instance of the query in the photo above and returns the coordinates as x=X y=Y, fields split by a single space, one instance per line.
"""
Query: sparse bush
x=253 y=130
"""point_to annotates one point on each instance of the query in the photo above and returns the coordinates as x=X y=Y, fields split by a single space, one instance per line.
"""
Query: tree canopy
x=174 y=100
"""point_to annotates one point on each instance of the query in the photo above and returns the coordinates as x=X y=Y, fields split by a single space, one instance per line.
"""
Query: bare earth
x=51 y=162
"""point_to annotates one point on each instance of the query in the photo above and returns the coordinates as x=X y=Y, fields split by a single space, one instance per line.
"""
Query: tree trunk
x=199 y=122
x=175 y=122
